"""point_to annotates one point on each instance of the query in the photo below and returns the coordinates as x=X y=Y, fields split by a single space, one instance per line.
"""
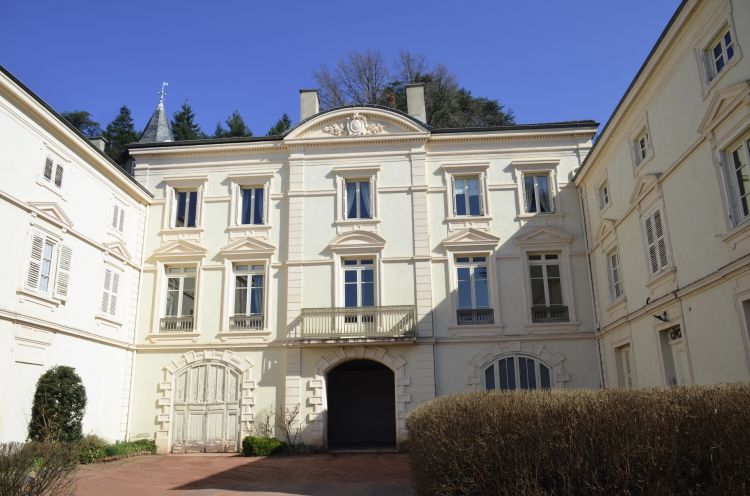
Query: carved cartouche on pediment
x=356 y=125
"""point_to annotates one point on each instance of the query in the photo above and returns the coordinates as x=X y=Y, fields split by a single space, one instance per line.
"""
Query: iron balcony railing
x=360 y=323
x=552 y=313
x=176 y=324
x=475 y=316
x=246 y=323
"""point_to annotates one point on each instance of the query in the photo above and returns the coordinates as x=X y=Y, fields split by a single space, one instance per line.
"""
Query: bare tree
x=409 y=67
x=359 y=79
x=287 y=423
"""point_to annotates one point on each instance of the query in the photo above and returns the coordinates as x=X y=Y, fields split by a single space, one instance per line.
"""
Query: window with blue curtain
x=187 y=203
x=536 y=193
x=358 y=200
x=467 y=196
x=252 y=206
x=471 y=274
x=248 y=289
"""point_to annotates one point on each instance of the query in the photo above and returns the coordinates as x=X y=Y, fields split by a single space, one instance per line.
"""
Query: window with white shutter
x=53 y=172
x=49 y=165
x=615 y=275
x=626 y=367
x=118 y=217
x=109 y=293
x=657 y=247
x=62 y=279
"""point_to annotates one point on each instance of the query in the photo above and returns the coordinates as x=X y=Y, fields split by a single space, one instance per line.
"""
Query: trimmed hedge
x=94 y=449
x=681 y=440
x=261 y=446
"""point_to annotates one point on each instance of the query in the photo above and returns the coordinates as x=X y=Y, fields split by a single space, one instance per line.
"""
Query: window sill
x=262 y=335
x=46 y=184
x=35 y=297
x=663 y=282
x=346 y=225
x=244 y=230
x=175 y=233
x=469 y=221
x=552 y=216
x=737 y=234
x=709 y=85
x=616 y=305
x=640 y=165
x=551 y=327
x=476 y=330
x=174 y=337
x=108 y=319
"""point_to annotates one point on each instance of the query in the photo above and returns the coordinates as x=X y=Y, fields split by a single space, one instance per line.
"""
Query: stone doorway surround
x=164 y=420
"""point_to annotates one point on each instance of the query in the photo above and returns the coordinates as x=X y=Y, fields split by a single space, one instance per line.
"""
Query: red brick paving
x=367 y=474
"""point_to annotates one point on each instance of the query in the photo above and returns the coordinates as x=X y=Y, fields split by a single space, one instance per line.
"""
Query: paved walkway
x=367 y=474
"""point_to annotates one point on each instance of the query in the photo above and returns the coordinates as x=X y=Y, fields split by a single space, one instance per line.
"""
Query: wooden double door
x=206 y=409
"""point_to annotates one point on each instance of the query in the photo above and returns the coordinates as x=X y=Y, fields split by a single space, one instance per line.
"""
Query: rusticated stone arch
x=556 y=361
x=375 y=353
x=166 y=391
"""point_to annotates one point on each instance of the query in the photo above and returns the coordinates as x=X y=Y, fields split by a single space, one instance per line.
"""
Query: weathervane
x=162 y=93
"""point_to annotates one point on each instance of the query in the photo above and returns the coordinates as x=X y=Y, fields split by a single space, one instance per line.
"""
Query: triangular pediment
x=606 y=226
x=356 y=122
x=722 y=103
x=357 y=240
x=470 y=238
x=643 y=184
x=247 y=246
x=118 y=248
x=53 y=212
x=543 y=236
x=180 y=249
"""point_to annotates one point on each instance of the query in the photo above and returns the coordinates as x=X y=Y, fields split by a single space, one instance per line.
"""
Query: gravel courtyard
x=213 y=475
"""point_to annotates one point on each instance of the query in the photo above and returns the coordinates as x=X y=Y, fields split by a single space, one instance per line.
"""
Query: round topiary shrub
x=59 y=402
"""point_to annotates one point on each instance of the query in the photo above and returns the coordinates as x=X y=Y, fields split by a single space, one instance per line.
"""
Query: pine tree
x=281 y=126
x=119 y=133
x=83 y=122
x=236 y=125
x=184 y=126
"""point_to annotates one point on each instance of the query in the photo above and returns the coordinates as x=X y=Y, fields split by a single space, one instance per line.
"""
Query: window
x=615 y=276
x=249 y=284
x=186 y=206
x=251 y=205
x=53 y=172
x=656 y=242
x=473 y=293
x=671 y=348
x=642 y=147
x=603 y=195
x=359 y=282
x=517 y=372
x=738 y=179
x=118 y=217
x=109 y=294
x=467 y=196
x=49 y=266
x=623 y=358
x=358 y=199
x=719 y=52
x=546 y=288
x=536 y=193
x=180 y=292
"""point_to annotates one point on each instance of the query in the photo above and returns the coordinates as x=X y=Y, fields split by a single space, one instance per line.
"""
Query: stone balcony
x=361 y=324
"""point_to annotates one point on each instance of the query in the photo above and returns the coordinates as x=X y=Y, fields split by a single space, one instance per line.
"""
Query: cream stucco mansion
x=366 y=262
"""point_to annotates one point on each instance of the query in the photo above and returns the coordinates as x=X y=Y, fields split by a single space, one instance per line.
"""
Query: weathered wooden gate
x=206 y=409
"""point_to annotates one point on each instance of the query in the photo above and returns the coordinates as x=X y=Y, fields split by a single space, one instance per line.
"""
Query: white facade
x=57 y=203
x=365 y=262
x=678 y=314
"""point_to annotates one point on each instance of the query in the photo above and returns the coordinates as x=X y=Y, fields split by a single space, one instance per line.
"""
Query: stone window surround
x=254 y=179
x=480 y=361
x=540 y=166
x=721 y=21
x=317 y=384
x=57 y=159
x=637 y=130
x=340 y=251
x=227 y=309
x=166 y=388
x=171 y=185
x=458 y=169
x=341 y=176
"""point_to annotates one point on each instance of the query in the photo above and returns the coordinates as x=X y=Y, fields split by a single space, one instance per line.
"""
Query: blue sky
x=547 y=60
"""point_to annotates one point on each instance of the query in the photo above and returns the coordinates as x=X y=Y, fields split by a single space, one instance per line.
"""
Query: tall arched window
x=517 y=372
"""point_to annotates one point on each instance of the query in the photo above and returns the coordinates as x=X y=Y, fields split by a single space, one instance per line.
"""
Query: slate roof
x=157 y=130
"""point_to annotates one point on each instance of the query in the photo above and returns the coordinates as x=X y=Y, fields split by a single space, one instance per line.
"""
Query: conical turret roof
x=158 y=129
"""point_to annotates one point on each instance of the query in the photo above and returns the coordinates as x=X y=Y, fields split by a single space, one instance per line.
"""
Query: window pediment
x=543 y=236
x=179 y=250
x=53 y=212
x=606 y=227
x=357 y=240
x=241 y=248
x=722 y=104
x=118 y=248
x=644 y=183
x=470 y=239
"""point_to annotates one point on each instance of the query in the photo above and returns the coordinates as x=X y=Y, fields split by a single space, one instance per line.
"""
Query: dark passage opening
x=361 y=406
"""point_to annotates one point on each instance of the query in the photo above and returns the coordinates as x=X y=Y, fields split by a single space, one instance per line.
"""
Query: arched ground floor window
x=516 y=372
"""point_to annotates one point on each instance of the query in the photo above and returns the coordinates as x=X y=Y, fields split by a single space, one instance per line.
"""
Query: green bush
x=261 y=446
x=57 y=411
x=36 y=469
x=91 y=449
x=682 y=440
x=127 y=448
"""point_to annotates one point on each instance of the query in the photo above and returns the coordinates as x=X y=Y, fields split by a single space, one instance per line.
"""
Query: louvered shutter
x=63 y=272
x=48 y=166
x=653 y=258
x=105 y=292
x=482 y=209
x=113 y=294
x=122 y=219
x=58 y=175
x=453 y=200
x=115 y=210
x=627 y=367
x=35 y=261
x=661 y=240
